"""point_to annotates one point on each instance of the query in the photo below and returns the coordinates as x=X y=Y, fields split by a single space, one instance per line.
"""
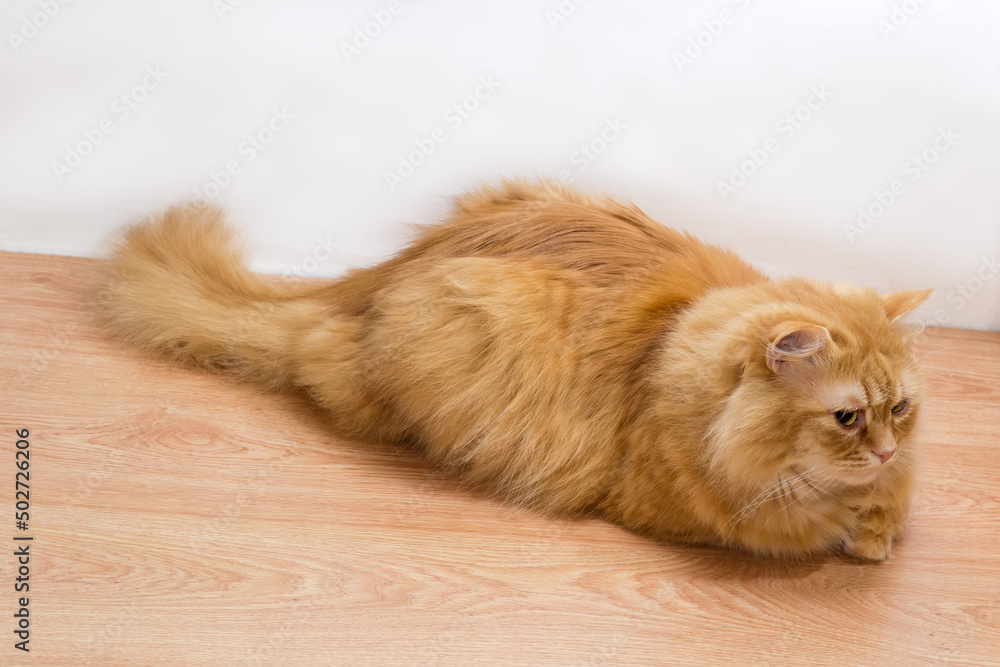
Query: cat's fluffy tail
x=177 y=285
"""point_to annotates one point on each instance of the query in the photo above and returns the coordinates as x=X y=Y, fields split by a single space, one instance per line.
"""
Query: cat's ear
x=898 y=304
x=791 y=342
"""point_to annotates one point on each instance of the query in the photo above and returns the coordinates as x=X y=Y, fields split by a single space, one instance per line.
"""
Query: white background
x=891 y=74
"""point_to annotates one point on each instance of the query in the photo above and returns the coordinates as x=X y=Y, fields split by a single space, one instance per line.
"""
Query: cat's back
x=603 y=242
x=599 y=236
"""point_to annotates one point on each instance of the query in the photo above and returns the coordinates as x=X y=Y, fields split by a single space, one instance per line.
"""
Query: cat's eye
x=900 y=407
x=847 y=418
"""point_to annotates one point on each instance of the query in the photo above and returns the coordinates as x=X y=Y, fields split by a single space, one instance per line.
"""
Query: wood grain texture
x=181 y=519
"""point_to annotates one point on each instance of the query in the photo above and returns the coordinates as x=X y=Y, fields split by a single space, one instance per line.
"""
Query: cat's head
x=826 y=385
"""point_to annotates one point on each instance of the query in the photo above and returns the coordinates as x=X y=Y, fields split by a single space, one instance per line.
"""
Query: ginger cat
x=569 y=353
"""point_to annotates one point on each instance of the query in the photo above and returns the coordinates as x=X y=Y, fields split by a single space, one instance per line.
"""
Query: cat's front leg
x=877 y=527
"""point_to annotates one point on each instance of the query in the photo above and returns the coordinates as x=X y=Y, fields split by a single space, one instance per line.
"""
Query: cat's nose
x=885 y=454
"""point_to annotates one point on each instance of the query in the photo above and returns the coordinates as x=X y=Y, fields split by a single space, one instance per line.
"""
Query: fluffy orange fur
x=569 y=353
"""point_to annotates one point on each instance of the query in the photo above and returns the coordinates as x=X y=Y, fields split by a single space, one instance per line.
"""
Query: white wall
x=882 y=93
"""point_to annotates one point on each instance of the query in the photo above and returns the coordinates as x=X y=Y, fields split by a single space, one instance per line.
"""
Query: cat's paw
x=873 y=535
x=871 y=549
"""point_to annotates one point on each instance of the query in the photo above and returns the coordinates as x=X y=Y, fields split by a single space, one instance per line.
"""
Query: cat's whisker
x=754 y=505
x=743 y=514
x=905 y=460
x=818 y=487
x=815 y=493
x=803 y=497
x=767 y=491
x=939 y=373
x=925 y=355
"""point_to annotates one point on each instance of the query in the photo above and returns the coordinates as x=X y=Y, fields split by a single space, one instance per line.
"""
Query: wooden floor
x=181 y=519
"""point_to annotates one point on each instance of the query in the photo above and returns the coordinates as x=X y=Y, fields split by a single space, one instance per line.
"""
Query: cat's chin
x=860 y=478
